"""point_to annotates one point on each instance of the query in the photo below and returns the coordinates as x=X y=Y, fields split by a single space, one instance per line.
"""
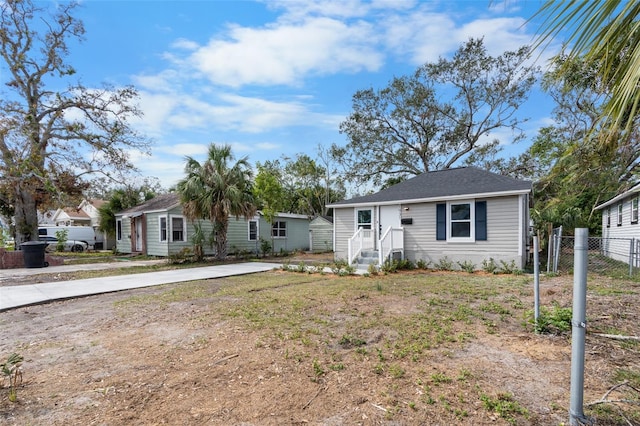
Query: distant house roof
x=446 y=184
x=158 y=203
x=97 y=203
x=168 y=201
x=73 y=213
x=617 y=198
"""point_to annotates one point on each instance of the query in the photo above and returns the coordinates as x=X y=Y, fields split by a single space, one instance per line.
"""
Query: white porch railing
x=392 y=240
x=362 y=239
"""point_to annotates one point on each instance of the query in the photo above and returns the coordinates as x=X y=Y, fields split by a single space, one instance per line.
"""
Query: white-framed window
x=253 y=230
x=364 y=218
x=119 y=229
x=620 y=214
x=608 y=217
x=279 y=229
x=162 y=226
x=178 y=228
x=461 y=219
x=634 y=210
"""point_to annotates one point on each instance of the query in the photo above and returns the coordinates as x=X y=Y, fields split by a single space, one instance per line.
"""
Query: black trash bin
x=33 y=254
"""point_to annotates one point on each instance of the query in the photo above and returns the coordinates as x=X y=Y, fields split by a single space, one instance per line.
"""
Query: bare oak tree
x=437 y=118
x=53 y=131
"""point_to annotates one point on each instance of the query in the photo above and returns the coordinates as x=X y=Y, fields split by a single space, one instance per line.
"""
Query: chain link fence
x=616 y=257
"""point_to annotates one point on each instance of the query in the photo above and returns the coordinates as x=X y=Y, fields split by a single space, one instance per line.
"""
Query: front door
x=139 y=234
x=364 y=221
x=389 y=217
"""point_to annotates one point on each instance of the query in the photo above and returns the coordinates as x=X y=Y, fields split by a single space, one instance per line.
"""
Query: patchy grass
x=405 y=348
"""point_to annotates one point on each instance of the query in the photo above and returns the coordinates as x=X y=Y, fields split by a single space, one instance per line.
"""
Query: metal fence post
x=536 y=282
x=579 y=326
x=558 y=248
x=549 y=250
x=631 y=258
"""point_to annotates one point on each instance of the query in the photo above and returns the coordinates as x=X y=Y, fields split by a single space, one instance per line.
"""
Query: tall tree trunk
x=221 y=239
x=26 y=216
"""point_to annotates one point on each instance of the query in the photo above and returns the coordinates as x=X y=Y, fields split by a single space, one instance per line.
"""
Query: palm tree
x=216 y=190
x=606 y=32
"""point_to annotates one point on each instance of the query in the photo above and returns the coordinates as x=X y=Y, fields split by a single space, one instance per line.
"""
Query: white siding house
x=620 y=227
x=463 y=214
x=86 y=214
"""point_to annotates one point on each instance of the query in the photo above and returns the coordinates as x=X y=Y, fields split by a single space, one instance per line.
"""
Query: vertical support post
x=549 y=252
x=558 y=249
x=536 y=282
x=579 y=327
x=631 y=258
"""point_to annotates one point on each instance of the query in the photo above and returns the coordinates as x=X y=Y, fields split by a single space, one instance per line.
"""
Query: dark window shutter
x=441 y=221
x=481 y=221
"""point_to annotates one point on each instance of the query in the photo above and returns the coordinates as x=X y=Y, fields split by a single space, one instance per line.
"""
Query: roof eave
x=435 y=199
x=130 y=212
x=617 y=198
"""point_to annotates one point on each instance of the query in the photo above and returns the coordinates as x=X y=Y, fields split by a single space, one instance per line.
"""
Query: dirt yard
x=281 y=348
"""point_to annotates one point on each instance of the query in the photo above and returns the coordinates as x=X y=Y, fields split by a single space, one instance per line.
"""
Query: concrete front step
x=365 y=259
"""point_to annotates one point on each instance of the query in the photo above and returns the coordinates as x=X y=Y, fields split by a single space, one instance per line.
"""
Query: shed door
x=389 y=217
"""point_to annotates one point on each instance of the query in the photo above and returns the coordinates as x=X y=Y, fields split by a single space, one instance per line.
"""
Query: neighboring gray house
x=159 y=228
x=465 y=214
x=321 y=234
x=620 y=227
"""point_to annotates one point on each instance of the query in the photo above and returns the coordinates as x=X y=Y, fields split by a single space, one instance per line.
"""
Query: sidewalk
x=24 y=295
x=7 y=274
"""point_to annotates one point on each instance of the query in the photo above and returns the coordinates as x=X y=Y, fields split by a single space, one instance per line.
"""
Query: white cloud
x=183 y=149
x=157 y=109
x=423 y=36
x=244 y=78
x=285 y=54
x=249 y=148
x=226 y=112
x=298 y=9
x=183 y=43
x=500 y=34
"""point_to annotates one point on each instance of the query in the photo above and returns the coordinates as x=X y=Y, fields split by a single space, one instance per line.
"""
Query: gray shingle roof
x=160 y=202
x=444 y=183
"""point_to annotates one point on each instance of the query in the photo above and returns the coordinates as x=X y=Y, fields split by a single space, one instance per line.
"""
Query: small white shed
x=321 y=234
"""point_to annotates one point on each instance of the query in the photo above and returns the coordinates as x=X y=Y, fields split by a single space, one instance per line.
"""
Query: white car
x=69 y=245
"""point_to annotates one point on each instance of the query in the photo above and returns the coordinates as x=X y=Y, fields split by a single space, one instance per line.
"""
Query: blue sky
x=276 y=78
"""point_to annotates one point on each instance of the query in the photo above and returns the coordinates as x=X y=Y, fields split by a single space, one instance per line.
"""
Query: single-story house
x=321 y=234
x=159 y=228
x=464 y=215
x=620 y=227
x=85 y=214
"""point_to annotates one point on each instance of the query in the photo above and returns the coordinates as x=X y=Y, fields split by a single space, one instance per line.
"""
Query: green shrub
x=265 y=247
x=338 y=265
x=389 y=266
x=423 y=264
x=444 y=264
x=508 y=268
x=11 y=370
x=183 y=256
x=467 y=266
x=372 y=269
x=62 y=235
x=554 y=320
x=489 y=266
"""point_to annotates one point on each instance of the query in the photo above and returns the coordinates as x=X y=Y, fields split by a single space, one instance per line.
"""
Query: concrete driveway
x=24 y=295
